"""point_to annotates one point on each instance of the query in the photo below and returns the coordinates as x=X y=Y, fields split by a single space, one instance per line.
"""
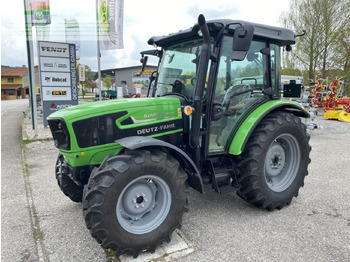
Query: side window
x=275 y=70
x=235 y=77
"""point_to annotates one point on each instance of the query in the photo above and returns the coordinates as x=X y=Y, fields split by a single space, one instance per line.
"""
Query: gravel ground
x=316 y=226
x=320 y=126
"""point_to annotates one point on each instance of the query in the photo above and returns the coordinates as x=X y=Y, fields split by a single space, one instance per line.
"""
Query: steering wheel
x=177 y=86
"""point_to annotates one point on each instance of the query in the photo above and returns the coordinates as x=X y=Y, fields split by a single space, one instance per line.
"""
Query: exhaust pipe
x=200 y=85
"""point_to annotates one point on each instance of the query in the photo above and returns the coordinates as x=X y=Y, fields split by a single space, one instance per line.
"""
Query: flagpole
x=98 y=52
x=31 y=73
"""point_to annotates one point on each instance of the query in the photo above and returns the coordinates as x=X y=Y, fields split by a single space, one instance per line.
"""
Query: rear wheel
x=66 y=184
x=133 y=202
x=274 y=163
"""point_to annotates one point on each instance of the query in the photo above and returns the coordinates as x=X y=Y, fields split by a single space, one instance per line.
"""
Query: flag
x=39 y=11
x=110 y=20
x=73 y=35
x=43 y=33
x=81 y=73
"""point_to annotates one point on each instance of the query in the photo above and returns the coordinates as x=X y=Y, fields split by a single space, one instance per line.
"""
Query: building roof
x=36 y=70
x=138 y=67
x=20 y=71
x=128 y=67
x=10 y=87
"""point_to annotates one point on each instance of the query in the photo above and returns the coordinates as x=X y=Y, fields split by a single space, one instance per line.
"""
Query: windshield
x=178 y=69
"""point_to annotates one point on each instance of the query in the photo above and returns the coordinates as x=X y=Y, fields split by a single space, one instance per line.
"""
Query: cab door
x=238 y=88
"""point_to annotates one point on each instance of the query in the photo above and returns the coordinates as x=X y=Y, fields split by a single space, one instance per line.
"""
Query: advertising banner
x=140 y=81
x=81 y=73
x=73 y=35
x=58 y=76
x=110 y=15
x=39 y=11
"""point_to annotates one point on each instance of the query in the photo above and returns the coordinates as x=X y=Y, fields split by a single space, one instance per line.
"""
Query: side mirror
x=265 y=51
x=143 y=60
x=217 y=112
x=242 y=39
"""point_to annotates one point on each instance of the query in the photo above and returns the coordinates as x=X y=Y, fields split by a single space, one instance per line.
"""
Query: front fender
x=194 y=178
x=247 y=127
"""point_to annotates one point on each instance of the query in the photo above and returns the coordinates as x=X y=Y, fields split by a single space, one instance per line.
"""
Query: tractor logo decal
x=155 y=129
x=148 y=130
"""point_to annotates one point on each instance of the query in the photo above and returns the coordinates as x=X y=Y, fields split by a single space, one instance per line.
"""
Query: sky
x=142 y=20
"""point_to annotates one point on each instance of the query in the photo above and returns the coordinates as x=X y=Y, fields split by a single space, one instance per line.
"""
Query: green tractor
x=213 y=115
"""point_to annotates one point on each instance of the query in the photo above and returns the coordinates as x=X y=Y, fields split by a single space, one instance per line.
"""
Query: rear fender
x=136 y=142
x=249 y=124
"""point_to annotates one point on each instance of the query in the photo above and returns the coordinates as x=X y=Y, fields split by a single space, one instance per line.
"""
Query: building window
x=10 y=80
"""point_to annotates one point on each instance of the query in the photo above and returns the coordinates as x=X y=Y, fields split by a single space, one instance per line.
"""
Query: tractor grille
x=60 y=133
x=97 y=130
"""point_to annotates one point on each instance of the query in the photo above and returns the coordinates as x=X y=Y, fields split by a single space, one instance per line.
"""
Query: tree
x=323 y=21
x=88 y=77
x=334 y=22
x=107 y=82
x=341 y=56
x=303 y=15
x=93 y=86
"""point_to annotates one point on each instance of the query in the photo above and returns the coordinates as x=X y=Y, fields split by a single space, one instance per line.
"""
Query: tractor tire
x=66 y=184
x=134 y=201
x=274 y=163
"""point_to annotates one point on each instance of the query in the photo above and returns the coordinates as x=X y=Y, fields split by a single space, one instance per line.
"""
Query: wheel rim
x=59 y=168
x=282 y=162
x=143 y=204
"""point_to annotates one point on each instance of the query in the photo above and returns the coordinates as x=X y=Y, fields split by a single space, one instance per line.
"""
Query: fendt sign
x=58 y=75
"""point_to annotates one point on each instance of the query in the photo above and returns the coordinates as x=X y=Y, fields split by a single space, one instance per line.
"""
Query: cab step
x=223 y=178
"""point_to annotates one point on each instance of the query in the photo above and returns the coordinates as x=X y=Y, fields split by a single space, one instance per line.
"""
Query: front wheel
x=134 y=201
x=65 y=182
x=274 y=163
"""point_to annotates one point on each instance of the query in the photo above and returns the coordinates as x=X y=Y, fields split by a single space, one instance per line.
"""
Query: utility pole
x=98 y=51
x=31 y=73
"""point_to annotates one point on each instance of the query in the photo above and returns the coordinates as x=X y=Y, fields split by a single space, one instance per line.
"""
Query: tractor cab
x=240 y=71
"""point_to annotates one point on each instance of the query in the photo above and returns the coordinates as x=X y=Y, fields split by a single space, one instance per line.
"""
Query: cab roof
x=279 y=35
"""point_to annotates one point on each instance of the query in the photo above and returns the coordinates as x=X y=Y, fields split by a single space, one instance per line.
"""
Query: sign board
x=81 y=73
x=141 y=81
x=58 y=76
x=55 y=79
x=54 y=64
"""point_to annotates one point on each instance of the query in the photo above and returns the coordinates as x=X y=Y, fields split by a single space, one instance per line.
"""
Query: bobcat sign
x=58 y=76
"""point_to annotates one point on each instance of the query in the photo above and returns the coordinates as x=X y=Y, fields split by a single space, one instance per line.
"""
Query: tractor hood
x=96 y=125
x=140 y=109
